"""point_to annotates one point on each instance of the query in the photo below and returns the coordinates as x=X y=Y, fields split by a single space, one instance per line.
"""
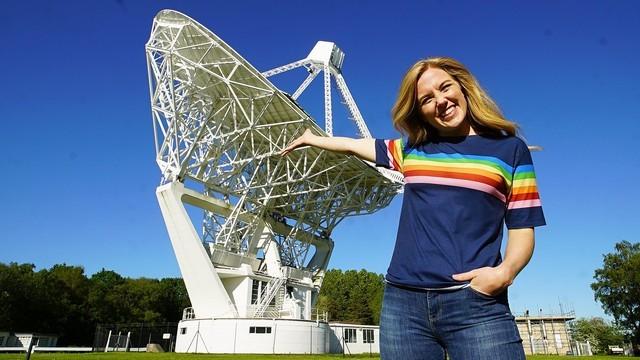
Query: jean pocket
x=480 y=294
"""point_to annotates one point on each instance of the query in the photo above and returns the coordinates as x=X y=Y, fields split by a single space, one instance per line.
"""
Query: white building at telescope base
x=275 y=336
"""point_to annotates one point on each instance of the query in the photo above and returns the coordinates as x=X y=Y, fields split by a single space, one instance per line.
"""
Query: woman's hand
x=363 y=148
x=493 y=280
x=490 y=281
x=302 y=140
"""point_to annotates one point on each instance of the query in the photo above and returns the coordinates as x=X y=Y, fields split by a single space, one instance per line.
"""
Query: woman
x=466 y=174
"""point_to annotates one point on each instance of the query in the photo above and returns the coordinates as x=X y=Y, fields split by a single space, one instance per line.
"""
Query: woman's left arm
x=519 y=250
x=494 y=280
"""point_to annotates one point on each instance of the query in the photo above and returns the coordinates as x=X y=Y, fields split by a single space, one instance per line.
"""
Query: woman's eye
x=426 y=100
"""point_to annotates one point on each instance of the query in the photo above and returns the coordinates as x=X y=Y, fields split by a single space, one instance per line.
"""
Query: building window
x=350 y=335
x=259 y=329
x=183 y=331
x=367 y=336
x=258 y=290
x=255 y=291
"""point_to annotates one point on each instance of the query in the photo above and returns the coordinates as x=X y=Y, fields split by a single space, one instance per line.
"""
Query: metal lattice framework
x=220 y=125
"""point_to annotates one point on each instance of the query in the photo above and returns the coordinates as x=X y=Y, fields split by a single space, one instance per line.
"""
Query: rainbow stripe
x=394 y=153
x=488 y=174
x=524 y=192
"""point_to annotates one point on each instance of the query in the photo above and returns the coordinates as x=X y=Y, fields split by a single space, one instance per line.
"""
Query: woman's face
x=442 y=103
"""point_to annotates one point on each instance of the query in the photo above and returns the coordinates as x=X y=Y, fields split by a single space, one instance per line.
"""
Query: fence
x=134 y=337
x=579 y=348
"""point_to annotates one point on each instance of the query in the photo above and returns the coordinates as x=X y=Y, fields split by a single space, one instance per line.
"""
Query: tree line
x=65 y=302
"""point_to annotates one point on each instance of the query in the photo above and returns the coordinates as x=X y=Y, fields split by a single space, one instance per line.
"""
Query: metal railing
x=274 y=287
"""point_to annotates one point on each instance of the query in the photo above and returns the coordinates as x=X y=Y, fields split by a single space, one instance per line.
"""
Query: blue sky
x=78 y=165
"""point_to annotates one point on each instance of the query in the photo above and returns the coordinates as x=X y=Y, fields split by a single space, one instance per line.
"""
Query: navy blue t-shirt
x=459 y=191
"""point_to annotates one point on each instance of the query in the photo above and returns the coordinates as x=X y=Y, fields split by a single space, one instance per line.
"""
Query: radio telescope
x=264 y=244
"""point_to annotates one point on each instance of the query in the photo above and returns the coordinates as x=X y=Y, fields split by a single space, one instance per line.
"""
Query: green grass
x=174 y=356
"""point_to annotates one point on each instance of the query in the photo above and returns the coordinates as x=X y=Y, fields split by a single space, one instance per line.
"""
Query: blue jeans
x=423 y=324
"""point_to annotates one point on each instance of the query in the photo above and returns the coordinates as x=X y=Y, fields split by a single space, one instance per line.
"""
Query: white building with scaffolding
x=548 y=334
x=254 y=271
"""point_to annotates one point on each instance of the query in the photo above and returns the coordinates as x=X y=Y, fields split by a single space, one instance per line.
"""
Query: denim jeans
x=423 y=324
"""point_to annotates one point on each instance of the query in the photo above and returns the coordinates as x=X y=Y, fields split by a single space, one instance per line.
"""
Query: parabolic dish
x=222 y=124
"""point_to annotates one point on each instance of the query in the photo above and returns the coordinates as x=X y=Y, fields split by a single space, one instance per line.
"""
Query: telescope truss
x=219 y=127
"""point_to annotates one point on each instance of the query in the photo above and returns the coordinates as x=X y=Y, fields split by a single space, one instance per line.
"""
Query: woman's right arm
x=365 y=149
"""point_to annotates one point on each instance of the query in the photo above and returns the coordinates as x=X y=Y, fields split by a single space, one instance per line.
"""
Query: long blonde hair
x=483 y=114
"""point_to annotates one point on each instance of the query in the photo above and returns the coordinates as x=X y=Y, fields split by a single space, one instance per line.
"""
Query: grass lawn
x=174 y=356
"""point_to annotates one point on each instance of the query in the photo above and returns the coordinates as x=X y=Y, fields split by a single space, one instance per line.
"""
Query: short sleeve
x=390 y=153
x=524 y=208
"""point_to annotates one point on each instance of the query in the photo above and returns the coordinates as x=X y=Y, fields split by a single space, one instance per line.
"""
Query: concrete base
x=156 y=348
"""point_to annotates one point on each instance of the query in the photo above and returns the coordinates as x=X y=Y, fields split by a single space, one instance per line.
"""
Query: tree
x=376 y=293
x=69 y=287
x=102 y=298
x=617 y=287
x=172 y=299
x=598 y=332
x=352 y=296
x=17 y=296
x=332 y=298
x=358 y=311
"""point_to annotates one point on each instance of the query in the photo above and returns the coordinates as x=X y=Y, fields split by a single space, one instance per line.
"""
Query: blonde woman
x=466 y=175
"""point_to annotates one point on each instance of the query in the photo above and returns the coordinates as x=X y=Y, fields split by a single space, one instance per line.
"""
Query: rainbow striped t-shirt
x=459 y=191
